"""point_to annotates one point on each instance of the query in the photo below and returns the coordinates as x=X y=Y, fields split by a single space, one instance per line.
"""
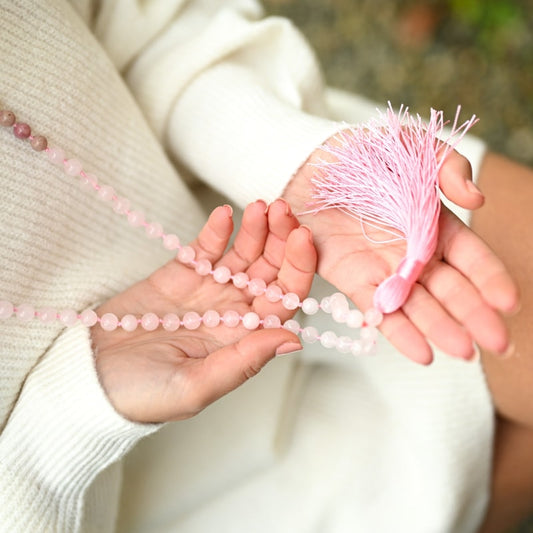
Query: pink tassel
x=385 y=174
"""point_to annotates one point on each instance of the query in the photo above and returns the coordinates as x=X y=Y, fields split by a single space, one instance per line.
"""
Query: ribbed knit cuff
x=61 y=434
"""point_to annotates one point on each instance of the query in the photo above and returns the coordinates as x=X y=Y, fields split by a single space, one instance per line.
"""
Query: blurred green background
x=440 y=53
x=437 y=53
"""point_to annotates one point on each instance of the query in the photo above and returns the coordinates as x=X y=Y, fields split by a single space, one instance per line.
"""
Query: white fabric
x=322 y=443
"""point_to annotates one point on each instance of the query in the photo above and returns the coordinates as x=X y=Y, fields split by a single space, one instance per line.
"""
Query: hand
x=160 y=376
x=458 y=297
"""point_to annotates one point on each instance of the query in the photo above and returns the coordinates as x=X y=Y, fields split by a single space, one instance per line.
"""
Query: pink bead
x=88 y=181
x=211 y=318
x=154 y=230
x=6 y=309
x=21 y=130
x=72 y=167
x=171 y=241
x=135 y=218
x=129 y=322
x=68 y=317
x=357 y=347
x=273 y=294
x=291 y=301
x=257 y=286
x=292 y=325
x=56 y=155
x=39 y=143
x=25 y=312
x=109 y=322
x=203 y=267
x=271 y=322
x=369 y=333
x=310 y=306
x=231 y=319
x=192 y=320
x=150 y=321
x=354 y=318
x=171 y=322
x=251 y=320
x=325 y=304
x=344 y=344
x=106 y=193
x=373 y=317
x=340 y=314
x=369 y=347
x=88 y=318
x=7 y=118
x=240 y=280
x=310 y=334
x=222 y=274
x=121 y=205
x=186 y=254
x=48 y=314
x=328 y=339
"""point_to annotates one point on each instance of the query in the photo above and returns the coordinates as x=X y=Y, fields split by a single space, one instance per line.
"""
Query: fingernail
x=287 y=206
x=309 y=232
x=473 y=188
x=288 y=347
x=229 y=209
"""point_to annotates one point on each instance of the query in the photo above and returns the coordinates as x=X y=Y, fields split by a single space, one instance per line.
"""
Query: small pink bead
x=373 y=317
x=106 y=193
x=211 y=318
x=6 y=309
x=369 y=347
x=21 y=130
x=171 y=322
x=310 y=334
x=192 y=320
x=72 y=167
x=68 y=317
x=7 y=118
x=271 y=322
x=292 y=325
x=339 y=314
x=150 y=321
x=344 y=344
x=121 y=205
x=48 y=314
x=88 y=318
x=369 y=333
x=231 y=319
x=240 y=280
x=354 y=319
x=88 y=181
x=25 y=312
x=273 y=293
x=251 y=320
x=310 y=306
x=154 y=230
x=109 y=322
x=357 y=347
x=325 y=304
x=203 y=267
x=129 y=322
x=291 y=301
x=56 y=155
x=328 y=339
x=186 y=254
x=222 y=274
x=135 y=218
x=257 y=286
x=39 y=143
x=171 y=241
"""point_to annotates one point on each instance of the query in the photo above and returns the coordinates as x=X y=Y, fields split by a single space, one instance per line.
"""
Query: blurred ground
x=440 y=53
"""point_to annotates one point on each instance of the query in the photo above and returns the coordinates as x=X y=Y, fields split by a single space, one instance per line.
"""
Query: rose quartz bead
x=109 y=322
x=292 y=325
x=56 y=155
x=154 y=230
x=88 y=318
x=48 y=314
x=310 y=306
x=68 y=317
x=357 y=347
x=373 y=317
x=325 y=304
x=339 y=314
x=106 y=193
x=274 y=293
x=291 y=301
x=88 y=181
x=25 y=312
x=171 y=241
x=257 y=286
x=192 y=320
x=251 y=320
x=354 y=318
x=171 y=322
x=21 y=130
x=72 y=167
x=135 y=218
x=6 y=309
x=150 y=321
x=369 y=333
x=186 y=254
x=129 y=322
x=222 y=274
x=344 y=344
x=121 y=205
x=328 y=339
x=203 y=267
x=310 y=334
x=38 y=143
x=211 y=318
x=369 y=347
x=231 y=319
x=240 y=280
x=7 y=118
x=271 y=322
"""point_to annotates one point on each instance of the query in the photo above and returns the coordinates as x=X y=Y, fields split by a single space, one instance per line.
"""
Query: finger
x=455 y=181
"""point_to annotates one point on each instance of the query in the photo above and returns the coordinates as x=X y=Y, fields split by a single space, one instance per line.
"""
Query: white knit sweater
x=153 y=97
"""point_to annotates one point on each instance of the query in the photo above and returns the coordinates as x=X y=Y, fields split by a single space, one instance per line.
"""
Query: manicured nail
x=473 y=188
x=288 y=347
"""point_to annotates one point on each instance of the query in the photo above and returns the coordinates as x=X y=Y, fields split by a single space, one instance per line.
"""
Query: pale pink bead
x=171 y=241
x=357 y=347
x=186 y=254
x=344 y=344
x=21 y=130
x=231 y=319
x=271 y=322
x=121 y=205
x=273 y=294
x=328 y=339
x=171 y=322
x=240 y=280
x=72 y=167
x=109 y=322
x=88 y=318
x=68 y=317
x=222 y=274
x=339 y=314
x=129 y=322
x=6 y=309
x=203 y=267
x=325 y=304
x=88 y=181
x=373 y=317
x=310 y=306
x=150 y=321
x=211 y=318
x=257 y=286
x=106 y=193
x=192 y=320
x=251 y=320
x=369 y=333
x=25 y=312
x=292 y=325
x=354 y=318
x=310 y=334
x=369 y=347
x=338 y=299
x=154 y=230
x=135 y=218
x=290 y=301
x=56 y=155
x=48 y=314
